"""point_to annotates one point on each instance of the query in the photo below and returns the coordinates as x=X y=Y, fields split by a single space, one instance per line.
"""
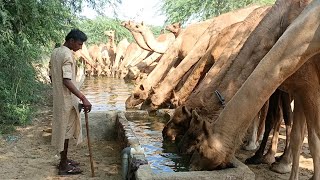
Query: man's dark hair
x=77 y=35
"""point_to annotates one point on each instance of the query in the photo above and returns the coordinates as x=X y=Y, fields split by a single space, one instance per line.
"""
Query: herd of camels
x=242 y=69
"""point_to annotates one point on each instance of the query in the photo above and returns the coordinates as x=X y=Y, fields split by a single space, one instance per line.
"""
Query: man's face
x=76 y=45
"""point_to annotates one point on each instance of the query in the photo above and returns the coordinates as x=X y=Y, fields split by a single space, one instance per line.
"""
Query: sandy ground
x=27 y=154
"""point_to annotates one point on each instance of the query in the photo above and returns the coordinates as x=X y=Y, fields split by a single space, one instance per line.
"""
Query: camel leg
x=313 y=124
x=269 y=124
x=297 y=135
x=252 y=141
x=263 y=116
x=269 y=157
x=283 y=164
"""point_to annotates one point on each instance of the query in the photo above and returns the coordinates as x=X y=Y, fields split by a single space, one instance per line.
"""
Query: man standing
x=66 y=121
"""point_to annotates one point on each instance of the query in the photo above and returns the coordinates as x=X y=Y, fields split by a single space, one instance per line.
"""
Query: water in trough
x=107 y=94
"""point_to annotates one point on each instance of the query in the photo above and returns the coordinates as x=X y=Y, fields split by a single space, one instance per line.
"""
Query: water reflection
x=162 y=156
x=106 y=93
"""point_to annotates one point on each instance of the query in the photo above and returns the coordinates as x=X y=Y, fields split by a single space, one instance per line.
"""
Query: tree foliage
x=188 y=10
x=29 y=28
x=95 y=29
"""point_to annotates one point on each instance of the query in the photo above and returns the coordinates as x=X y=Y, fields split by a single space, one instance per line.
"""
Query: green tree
x=187 y=10
x=28 y=29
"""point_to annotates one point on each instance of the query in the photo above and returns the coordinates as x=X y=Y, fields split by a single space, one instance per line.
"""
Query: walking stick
x=89 y=145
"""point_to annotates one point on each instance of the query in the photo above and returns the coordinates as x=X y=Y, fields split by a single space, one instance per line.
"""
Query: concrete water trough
x=134 y=160
x=126 y=135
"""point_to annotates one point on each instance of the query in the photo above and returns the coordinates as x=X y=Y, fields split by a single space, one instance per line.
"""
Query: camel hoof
x=268 y=159
x=281 y=168
x=253 y=160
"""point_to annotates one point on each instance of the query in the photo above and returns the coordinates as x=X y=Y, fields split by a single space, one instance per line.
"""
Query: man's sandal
x=71 y=170
x=72 y=162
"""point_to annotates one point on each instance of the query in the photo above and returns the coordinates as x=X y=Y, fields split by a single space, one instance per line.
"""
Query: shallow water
x=162 y=156
x=106 y=93
x=110 y=94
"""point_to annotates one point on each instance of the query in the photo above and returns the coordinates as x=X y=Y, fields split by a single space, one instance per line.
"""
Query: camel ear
x=186 y=111
x=179 y=24
x=141 y=23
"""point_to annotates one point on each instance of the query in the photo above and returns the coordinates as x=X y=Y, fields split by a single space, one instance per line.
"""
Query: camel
x=90 y=66
x=120 y=54
x=180 y=48
x=111 y=45
x=159 y=44
x=137 y=36
x=298 y=44
x=95 y=53
x=172 y=128
x=133 y=51
x=163 y=90
x=175 y=28
x=212 y=55
x=256 y=46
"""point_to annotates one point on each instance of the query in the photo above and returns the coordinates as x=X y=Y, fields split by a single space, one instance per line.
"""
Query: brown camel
x=183 y=44
x=296 y=46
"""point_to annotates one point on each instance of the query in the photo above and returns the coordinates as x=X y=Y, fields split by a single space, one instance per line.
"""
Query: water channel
x=106 y=94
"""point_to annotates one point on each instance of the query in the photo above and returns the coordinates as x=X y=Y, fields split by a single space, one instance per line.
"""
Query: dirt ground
x=27 y=154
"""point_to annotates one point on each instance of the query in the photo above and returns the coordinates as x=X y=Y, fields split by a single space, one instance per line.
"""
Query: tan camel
x=183 y=44
x=90 y=65
x=95 y=53
x=159 y=44
x=172 y=128
x=221 y=78
x=120 y=54
x=180 y=47
x=164 y=89
x=111 y=45
x=133 y=51
x=137 y=36
x=297 y=45
x=204 y=64
x=175 y=28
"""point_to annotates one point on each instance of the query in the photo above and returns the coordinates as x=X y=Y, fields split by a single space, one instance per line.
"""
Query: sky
x=137 y=10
